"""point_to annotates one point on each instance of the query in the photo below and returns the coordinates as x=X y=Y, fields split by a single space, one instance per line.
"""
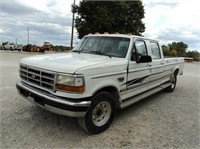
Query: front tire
x=173 y=80
x=100 y=114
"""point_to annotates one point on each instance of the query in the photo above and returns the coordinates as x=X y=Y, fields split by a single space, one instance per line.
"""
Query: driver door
x=138 y=73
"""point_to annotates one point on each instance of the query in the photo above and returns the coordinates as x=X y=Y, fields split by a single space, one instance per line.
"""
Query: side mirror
x=144 y=59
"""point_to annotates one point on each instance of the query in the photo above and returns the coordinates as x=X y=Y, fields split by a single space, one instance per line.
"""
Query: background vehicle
x=102 y=73
x=32 y=48
x=46 y=47
x=9 y=46
x=18 y=47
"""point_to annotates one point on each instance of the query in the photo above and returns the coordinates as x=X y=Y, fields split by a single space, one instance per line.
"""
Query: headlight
x=70 y=83
x=65 y=80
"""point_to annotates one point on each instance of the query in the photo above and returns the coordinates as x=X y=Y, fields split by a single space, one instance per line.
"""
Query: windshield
x=110 y=46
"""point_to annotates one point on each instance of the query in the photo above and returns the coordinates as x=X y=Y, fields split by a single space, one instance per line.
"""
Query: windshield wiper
x=100 y=53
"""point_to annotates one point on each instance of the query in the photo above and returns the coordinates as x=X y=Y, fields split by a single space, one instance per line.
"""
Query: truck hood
x=64 y=62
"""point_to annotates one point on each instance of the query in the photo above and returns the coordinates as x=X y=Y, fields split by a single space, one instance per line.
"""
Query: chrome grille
x=38 y=77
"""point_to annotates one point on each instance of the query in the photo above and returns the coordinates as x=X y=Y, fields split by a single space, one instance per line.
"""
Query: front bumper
x=55 y=104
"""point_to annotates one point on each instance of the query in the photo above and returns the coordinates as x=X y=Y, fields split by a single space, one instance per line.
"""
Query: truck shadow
x=54 y=122
x=69 y=126
x=139 y=106
x=31 y=124
x=36 y=123
x=63 y=124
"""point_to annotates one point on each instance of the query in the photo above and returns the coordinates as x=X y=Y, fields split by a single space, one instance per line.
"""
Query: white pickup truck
x=102 y=73
x=9 y=46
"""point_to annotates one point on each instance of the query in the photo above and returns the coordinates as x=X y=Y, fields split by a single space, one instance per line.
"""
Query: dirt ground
x=164 y=120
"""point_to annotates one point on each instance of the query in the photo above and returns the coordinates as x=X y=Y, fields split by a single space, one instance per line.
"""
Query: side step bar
x=143 y=95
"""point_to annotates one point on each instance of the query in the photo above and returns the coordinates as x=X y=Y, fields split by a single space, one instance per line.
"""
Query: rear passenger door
x=156 y=68
x=138 y=73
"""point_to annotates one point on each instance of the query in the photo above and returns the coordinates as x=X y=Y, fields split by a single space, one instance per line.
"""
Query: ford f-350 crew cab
x=102 y=73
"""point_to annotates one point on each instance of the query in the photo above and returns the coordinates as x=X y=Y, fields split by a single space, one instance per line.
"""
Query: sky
x=50 y=20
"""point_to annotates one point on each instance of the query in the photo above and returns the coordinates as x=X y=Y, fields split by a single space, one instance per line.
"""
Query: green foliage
x=180 y=47
x=109 y=16
x=4 y=43
x=173 y=52
x=180 y=51
x=166 y=51
x=194 y=54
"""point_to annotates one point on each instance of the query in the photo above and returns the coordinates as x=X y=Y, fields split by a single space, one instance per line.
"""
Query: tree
x=180 y=47
x=5 y=43
x=109 y=16
x=173 y=52
x=193 y=54
x=166 y=51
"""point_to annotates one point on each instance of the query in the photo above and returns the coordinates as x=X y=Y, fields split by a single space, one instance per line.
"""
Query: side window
x=155 y=50
x=140 y=47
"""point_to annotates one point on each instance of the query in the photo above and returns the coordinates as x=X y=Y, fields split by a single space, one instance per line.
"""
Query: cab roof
x=120 y=35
